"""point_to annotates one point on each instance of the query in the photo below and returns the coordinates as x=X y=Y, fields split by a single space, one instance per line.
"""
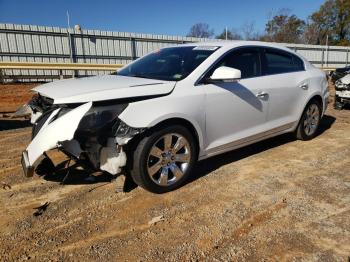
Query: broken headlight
x=100 y=116
x=340 y=85
x=123 y=130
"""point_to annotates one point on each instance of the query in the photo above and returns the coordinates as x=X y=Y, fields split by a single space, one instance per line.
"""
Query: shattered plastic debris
x=155 y=220
x=40 y=209
x=120 y=184
x=112 y=160
x=5 y=186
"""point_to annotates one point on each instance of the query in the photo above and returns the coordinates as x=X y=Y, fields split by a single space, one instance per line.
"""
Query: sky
x=153 y=16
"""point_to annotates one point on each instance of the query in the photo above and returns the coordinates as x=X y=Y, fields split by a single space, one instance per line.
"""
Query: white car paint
x=99 y=88
x=225 y=116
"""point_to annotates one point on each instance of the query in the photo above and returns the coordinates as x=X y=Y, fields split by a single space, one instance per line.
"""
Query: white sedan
x=160 y=114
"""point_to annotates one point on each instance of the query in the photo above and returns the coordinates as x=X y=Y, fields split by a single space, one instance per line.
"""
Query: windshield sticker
x=177 y=76
x=207 y=48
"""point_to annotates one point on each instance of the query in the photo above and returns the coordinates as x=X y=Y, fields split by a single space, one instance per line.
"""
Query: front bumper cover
x=60 y=130
x=27 y=168
x=51 y=134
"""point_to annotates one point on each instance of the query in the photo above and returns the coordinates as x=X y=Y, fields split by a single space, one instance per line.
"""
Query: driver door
x=236 y=112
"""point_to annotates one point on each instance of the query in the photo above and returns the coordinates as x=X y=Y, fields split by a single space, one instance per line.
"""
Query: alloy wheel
x=311 y=120
x=168 y=159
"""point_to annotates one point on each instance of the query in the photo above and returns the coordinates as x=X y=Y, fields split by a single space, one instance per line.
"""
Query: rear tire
x=338 y=105
x=163 y=159
x=310 y=121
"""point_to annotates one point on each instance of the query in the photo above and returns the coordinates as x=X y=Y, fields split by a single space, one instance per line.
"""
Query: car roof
x=238 y=43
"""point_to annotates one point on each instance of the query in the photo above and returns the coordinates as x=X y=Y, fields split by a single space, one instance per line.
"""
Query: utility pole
x=327 y=50
x=68 y=22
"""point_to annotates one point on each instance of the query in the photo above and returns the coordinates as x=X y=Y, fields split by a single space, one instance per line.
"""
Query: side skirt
x=249 y=140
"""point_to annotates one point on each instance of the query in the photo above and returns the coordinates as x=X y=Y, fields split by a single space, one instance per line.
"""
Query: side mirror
x=224 y=73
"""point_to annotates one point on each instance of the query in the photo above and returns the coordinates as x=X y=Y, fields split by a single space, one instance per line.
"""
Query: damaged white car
x=160 y=114
x=342 y=92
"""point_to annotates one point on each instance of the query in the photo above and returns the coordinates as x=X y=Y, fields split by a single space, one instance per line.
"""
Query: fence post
x=347 y=56
x=322 y=59
x=2 y=78
x=61 y=74
x=71 y=50
x=133 y=48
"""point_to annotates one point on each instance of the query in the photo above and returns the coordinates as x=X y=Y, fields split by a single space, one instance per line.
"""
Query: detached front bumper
x=52 y=133
x=68 y=130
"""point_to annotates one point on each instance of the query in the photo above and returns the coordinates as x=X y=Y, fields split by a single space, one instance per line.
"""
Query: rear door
x=287 y=87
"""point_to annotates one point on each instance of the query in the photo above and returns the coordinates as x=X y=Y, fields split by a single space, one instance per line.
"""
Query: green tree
x=332 y=19
x=284 y=28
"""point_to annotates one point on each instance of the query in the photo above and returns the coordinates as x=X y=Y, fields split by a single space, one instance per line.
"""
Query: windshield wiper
x=140 y=76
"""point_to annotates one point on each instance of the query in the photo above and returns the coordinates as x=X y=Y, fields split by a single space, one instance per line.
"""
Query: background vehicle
x=339 y=73
x=342 y=92
x=164 y=111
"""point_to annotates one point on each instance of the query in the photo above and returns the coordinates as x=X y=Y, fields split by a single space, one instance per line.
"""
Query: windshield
x=172 y=64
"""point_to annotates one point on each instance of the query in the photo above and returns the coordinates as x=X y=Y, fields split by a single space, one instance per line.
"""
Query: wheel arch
x=195 y=131
x=316 y=97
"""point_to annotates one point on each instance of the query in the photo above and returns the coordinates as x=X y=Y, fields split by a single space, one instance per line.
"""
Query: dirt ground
x=278 y=200
x=14 y=95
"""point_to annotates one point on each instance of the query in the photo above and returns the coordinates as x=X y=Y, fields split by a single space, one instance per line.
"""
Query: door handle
x=304 y=86
x=261 y=94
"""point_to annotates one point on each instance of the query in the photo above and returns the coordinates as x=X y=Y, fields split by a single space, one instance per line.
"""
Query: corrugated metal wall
x=52 y=44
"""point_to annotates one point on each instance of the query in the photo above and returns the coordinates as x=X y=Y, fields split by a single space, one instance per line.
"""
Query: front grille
x=46 y=102
x=40 y=122
x=41 y=103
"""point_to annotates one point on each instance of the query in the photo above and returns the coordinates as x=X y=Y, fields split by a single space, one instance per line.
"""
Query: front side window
x=171 y=64
x=247 y=60
x=278 y=62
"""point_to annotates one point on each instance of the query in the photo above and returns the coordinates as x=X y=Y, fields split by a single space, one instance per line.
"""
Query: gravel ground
x=277 y=200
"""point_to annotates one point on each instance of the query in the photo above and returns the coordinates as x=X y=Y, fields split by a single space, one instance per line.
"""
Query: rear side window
x=277 y=62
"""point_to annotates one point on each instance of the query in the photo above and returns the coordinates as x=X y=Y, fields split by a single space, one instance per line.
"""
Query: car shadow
x=7 y=124
x=76 y=175
x=209 y=165
x=244 y=93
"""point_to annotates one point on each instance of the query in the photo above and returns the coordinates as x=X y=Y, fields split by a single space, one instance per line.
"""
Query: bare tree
x=201 y=30
x=231 y=34
x=249 y=32
x=311 y=34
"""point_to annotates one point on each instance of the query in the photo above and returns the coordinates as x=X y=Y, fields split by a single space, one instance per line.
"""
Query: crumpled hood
x=346 y=79
x=99 y=88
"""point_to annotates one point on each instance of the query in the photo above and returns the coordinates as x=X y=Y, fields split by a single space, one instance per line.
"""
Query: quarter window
x=278 y=62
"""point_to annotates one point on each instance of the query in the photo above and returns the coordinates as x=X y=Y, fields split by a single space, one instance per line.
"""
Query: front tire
x=310 y=121
x=163 y=159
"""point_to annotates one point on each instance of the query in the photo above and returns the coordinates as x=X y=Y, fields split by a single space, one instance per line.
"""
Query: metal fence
x=31 y=43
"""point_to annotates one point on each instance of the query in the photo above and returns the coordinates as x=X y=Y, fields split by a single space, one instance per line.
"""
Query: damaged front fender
x=60 y=129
